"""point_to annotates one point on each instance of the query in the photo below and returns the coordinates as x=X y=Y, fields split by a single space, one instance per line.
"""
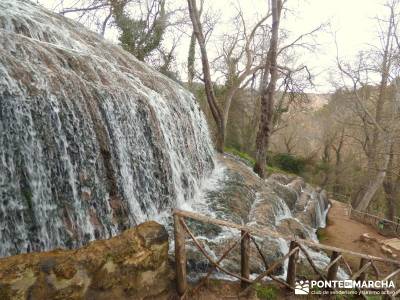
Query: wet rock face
x=92 y=141
x=133 y=265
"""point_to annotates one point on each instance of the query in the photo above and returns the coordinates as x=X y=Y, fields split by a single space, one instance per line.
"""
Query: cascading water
x=92 y=141
x=320 y=259
x=262 y=204
x=282 y=211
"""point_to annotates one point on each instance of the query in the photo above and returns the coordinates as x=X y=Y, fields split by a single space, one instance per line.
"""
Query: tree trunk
x=191 y=59
x=391 y=199
x=268 y=93
x=362 y=203
x=375 y=180
x=220 y=139
x=391 y=187
x=208 y=85
x=338 y=163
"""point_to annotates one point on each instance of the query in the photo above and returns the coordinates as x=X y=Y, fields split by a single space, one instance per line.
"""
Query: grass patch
x=276 y=163
x=321 y=234
x=373 y=297
x=287 y=162
x=267 y=292
x=274 y=170
x=243 y=155
x=214 y=283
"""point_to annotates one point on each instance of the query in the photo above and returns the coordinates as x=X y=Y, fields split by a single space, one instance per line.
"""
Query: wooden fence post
x=363 y=275
x=245 y=258
x=291 y=271
x=180 y=256
x=334 y=268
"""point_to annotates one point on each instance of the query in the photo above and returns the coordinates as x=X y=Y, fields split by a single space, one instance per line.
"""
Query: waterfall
x=282 y=211
x=321 y=213
x=92 y=141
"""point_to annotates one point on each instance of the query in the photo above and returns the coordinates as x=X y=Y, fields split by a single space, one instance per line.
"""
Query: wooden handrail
x=270 y=233
x=391 y=227
x=375 y=217
x=297 y=245
x=271 y=268
x=214 y=263
x=334 y=261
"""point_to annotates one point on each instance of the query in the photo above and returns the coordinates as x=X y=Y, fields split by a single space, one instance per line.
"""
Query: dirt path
x=345 y=233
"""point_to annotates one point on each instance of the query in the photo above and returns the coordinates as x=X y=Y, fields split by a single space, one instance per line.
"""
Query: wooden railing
x=384 y=226
x=182 y=231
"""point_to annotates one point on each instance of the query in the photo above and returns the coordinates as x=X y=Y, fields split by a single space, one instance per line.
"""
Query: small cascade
x=267 y=208
x=318 y=212
x=284 y=248
x=321 y=213
x=282 y=211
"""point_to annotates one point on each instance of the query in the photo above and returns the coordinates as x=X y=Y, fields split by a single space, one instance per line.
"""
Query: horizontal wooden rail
x=375 y=217
x=297 y=246
x=388 y=227
x=270 y=233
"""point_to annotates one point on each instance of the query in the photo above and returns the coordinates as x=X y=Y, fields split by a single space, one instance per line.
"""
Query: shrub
x=321 y=234
x=243 y=155
x=288 y=163
x=267 y=292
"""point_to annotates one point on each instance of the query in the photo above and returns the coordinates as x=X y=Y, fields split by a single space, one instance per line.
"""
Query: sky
x=351 y=21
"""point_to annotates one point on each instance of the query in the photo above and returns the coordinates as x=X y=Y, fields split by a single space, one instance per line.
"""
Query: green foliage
x=322 y=166
x=275 y=163
x=267 y=292
x=243 y=155
x=273 y=170
x=215 y=283
x=288 y=163
x=140 y=36
x=373 y=297
x=321 y=234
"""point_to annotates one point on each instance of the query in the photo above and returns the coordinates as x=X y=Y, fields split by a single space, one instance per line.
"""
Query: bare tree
x=391 y=184
x=378 y=121
x=236 y=77
x=269 y=80
x=192 y=52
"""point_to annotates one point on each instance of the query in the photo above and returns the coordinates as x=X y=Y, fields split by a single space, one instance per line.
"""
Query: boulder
x=298 y=184
x=133 y=265
x=365 y=237
x=292 y=227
